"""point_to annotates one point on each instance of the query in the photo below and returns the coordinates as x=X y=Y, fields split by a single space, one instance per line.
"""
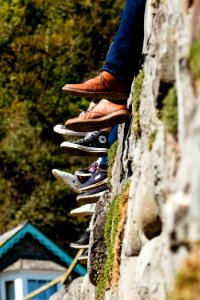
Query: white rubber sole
x=90 y=198
x=85 y=210
x=60 y=129
x=72 y=245
x=78 y=173
x=75 y=149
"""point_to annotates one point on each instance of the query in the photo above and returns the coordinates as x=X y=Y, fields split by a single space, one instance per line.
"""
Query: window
x=10 y=290
x=35 y=284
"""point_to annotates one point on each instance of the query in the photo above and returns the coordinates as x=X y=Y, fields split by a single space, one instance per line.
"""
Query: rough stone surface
x=162 y=224
x=79 y=289
x=98 y=248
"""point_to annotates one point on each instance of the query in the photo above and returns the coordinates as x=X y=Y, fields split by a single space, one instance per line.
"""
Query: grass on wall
x=136 y=129
x=194 y=57
x=114 y=229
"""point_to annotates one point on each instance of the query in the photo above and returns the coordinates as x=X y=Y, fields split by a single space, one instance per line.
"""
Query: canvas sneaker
x=89 y=170
x=83 y=258
x=61 y=129
x=93 y=144
x=83 y=241
x=85 y=210
x=98 y=178
x=67 y=179
x=93 y=195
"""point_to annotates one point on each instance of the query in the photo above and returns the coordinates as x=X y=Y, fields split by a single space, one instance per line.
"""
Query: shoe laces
x=84 y=236
x=85 y=111
x=101 y=78
x=89 y=137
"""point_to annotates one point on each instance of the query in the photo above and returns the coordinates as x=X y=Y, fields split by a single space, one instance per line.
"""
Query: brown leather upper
x=103 y=108
x=104 y=82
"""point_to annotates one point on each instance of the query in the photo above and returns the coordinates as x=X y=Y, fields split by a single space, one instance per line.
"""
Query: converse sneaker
x=83 y=258
x=93 y=195
x=67 y=179
x=88 y=171
x=94 y=143
x=98 y=178
x=85 y=210
x=61 y=129
x=83 y=241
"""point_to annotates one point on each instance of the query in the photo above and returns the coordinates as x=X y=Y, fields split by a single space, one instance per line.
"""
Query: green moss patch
x=152 y=138
x=194 y=57
x=187 y=282
x=113 y=234
x=167 y=107
x=111 y=159
x=136 y=129
x=169 y=112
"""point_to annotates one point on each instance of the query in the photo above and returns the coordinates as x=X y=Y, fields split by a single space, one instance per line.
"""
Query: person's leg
x=124 y=54
x=114 y=82
x=113 y=136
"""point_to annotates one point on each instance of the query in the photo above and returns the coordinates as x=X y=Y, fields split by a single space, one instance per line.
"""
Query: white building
x=28 y=260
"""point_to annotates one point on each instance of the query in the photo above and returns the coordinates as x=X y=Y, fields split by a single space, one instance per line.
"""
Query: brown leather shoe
x=104 y=114
x=105 y=85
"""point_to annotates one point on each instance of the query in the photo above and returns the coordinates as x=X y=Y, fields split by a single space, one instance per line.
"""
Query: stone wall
x=160 y=156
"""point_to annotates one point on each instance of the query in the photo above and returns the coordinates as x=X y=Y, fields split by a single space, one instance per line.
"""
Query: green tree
x=43 y=45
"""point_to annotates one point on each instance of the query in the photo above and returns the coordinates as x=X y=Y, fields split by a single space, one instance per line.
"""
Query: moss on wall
x=167 y=107
x=187 y=281
x=114 y=229
x=136 y=129
x=194 y=57
x=151 y=140
x=111 y=159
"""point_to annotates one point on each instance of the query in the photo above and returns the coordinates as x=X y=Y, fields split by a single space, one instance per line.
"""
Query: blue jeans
x=124 y=54
x=113 y=136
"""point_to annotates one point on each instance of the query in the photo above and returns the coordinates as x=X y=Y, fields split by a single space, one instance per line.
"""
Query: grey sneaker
x=67 y=179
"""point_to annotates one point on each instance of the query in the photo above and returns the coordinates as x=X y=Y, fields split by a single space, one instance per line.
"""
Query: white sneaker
x=67 y=179
x=61 y=129
x=85 y=210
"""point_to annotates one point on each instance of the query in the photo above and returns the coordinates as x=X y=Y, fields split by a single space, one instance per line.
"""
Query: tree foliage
x=45 y=44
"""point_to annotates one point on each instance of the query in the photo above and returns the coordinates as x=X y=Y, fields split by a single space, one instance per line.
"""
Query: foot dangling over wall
x=146 y=232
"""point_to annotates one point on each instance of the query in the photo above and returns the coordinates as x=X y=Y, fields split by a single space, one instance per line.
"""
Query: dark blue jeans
x=113 y=136
x=124 y=54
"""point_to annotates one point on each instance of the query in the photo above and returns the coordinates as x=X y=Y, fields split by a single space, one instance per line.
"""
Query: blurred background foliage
x=43 y=45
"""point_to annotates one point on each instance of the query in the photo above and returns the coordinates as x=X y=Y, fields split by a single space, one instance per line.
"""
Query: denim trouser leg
x=113 y=136
x=124 y=54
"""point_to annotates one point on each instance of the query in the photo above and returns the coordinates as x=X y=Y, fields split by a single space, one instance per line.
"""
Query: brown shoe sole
x=109 y=120
x=100 y=95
